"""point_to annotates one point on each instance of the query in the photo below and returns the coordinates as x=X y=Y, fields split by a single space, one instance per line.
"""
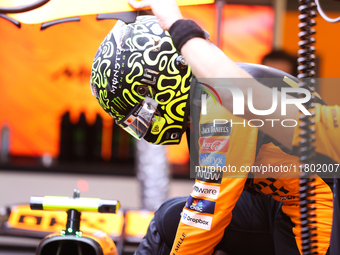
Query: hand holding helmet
x=166 y=11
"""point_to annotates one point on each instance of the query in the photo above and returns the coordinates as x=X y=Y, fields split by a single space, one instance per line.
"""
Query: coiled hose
x=306 y=67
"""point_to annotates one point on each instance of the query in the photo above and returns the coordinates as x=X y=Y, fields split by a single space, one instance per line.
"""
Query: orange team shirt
x=327 y=133
x=228 y=148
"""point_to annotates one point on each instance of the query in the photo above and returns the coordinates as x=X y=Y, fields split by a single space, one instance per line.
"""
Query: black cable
x=23 y=8
x=306 y=76
x=324 y=15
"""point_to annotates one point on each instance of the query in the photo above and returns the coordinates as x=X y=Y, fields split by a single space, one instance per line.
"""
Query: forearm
x=209 y=63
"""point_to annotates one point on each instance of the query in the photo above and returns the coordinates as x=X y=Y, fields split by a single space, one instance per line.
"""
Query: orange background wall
x=45 y=73
x=327 y=49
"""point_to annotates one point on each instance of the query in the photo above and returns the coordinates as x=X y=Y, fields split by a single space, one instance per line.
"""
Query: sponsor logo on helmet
x=197 y=221
x=115 y=79
x=155 y=129
x=129 y=120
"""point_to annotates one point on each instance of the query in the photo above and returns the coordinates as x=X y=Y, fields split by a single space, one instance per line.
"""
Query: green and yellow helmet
x=140 y=79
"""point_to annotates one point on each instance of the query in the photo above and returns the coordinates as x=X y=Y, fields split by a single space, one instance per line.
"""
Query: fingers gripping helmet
x=140 y=79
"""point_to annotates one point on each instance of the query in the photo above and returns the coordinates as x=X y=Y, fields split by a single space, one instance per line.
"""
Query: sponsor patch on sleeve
x=200 y=205
x=196 y=220
x=214 y=144
x=205 y=174
x=212 y=159
x=217 y=129
x=202 y=190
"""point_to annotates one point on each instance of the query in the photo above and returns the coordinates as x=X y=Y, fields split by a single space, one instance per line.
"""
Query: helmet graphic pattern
x=139 y=60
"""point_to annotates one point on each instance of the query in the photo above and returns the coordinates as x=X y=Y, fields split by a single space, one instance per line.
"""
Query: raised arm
x=208 y=62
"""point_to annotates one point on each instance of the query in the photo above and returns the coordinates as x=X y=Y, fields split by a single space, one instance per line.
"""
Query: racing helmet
x=141 y=80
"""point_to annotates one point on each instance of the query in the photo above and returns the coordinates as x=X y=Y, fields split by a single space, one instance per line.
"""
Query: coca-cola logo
x=210 y=144
x=213 y=146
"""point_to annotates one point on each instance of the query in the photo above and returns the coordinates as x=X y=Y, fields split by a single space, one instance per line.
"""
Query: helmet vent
x=174 y=136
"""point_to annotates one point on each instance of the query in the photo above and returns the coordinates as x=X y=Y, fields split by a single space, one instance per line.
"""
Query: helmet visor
x=138 y=122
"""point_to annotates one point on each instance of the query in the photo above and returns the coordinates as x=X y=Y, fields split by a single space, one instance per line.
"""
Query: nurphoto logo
x=239 y=101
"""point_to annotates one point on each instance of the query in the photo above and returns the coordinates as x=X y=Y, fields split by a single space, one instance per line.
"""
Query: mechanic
x=204 y=65
x=141 y=80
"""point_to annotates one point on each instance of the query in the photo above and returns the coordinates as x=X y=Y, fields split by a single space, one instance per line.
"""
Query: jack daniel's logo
x=219 y=129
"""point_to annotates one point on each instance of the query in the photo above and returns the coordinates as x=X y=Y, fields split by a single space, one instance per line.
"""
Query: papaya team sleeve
x=204 y=220
x=219 y=182
x=227 y=153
